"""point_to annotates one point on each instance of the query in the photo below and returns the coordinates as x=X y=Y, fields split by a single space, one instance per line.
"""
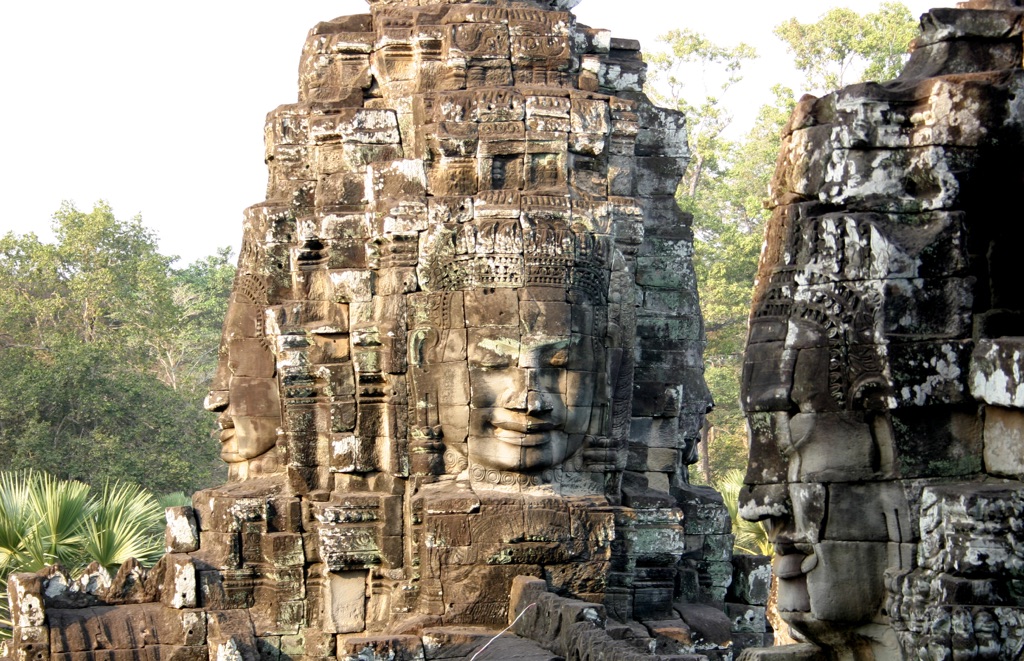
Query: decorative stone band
x=499 y=478
x=544 y=4
x=582 y=473
x=802 y=311
x=514 y=252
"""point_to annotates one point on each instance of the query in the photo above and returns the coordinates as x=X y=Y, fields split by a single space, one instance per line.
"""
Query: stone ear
x=420 y=342
x=417 y=348
x=613 y=335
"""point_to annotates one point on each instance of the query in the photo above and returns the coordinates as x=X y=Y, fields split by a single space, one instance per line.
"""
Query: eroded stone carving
x=463 y=346
x=880 y=371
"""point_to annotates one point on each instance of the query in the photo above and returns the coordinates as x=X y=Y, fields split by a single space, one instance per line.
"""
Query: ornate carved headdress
x=518 y=252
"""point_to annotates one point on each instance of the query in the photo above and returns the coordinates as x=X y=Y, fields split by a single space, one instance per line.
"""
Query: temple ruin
x=460 y=378
x=461 y=375
x=881 y=378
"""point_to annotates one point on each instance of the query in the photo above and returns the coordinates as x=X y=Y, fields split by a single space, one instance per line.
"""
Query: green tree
x=724 y=190
x=185 y=347
x=843 y=46
x=729 y=221
x=105 y=349
x=693 y=57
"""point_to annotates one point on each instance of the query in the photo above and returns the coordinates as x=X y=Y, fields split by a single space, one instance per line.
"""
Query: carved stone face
x=821 y=467
x=524 y=396
x=246 y=391
x=528 y=409
x=249 y=424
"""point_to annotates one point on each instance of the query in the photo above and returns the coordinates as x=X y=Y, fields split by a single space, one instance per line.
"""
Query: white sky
x=158 y=108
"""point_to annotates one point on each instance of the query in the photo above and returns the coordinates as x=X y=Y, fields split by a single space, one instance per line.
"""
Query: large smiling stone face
x=510 y=346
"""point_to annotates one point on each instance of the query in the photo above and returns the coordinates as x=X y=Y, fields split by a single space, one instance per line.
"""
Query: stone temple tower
x=461 y=374
x=882 y=370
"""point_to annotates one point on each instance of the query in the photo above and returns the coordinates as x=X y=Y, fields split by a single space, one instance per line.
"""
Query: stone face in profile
x=878 y=370
x=245 y=391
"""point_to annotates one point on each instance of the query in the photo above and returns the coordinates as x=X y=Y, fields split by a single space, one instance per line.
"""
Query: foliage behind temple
x=106 y=350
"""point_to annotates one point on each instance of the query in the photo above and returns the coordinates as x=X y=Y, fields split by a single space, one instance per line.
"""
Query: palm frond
x=175 y=499
x=751 y=538
x=126 y=524
x=44 y=520
x=5 y=613
x=61 y=508
x=16 y=521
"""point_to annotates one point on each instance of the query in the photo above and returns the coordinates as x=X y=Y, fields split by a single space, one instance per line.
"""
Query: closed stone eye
x=492 y=362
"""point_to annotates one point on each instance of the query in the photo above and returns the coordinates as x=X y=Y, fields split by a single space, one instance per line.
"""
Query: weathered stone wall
x=880 y=372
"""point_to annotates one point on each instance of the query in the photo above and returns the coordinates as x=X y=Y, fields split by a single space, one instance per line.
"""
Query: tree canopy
x=105 y=351
x=843 y=47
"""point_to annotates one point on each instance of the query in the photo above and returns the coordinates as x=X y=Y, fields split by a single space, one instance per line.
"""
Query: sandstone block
x=847 y=564
x=707 y=624
x=751 y=582
x=382 y=648
x=181 y=534
x=1004 y=442
x=995 y=373
x=746 y=618
x=799 y=652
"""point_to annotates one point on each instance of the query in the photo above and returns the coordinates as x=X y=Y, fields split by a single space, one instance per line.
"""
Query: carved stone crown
x=557 y=5
x=518 y=252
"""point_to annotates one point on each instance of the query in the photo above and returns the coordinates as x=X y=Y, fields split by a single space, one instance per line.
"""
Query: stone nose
x=531 y=402
x=522 y=395
x=538 y=402
x=225 y=421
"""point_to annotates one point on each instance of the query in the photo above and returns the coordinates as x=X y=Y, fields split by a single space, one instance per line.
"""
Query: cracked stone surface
x=882 y=371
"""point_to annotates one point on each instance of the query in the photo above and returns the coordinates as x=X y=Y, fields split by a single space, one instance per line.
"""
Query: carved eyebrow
x=550 y=346
x=503 y=346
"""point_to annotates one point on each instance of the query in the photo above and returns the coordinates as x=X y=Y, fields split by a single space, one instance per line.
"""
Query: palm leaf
x=126 y=524
x=5 y=613
x=16 y=527
x=44 y=520
x=175 y=499
x=16 y=520
x=61 y=508
x=751 y=537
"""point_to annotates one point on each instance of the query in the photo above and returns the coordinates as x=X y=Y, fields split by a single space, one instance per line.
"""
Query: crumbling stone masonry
x=882 y=371
x=463 y=346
